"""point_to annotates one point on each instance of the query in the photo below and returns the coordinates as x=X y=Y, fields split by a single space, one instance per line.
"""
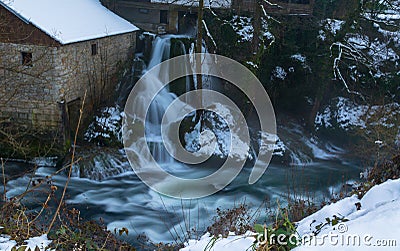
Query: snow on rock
x=219 y=140
x=347 y=114
x=218 y=145
x=40 y=242
x=380 y=52
x=69 y=21
x=231 y=243
x=244 y=28
x=375 y=223
x=379 y=47
x=278 y=148
x=105 y=125
x=390 y=15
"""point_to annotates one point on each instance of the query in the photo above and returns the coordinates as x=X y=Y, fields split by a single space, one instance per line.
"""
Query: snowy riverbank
x=369 y=223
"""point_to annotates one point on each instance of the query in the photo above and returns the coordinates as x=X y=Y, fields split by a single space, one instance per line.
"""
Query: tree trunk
x=199 y=39
x=256 y=26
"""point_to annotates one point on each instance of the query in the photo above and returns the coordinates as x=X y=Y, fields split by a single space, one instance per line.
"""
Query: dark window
x=144 y=11
x=163 y=17
x=27 y=58
x=94 y=49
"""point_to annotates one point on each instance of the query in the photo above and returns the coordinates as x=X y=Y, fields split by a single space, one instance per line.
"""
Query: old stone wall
x=91 y=66
x=36 y=93
x=28 y=93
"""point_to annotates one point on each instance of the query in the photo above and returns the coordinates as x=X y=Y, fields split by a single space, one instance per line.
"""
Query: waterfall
x=153 y=115
x=161 y=51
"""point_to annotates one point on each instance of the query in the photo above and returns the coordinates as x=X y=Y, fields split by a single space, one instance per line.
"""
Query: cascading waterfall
x=158 y=105
x=161 y=51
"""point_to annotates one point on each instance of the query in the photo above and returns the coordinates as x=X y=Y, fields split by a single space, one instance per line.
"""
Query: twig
x=41 y=210
x=4 y=181
x=19 y=197
x=70 y=166
x=105 y=242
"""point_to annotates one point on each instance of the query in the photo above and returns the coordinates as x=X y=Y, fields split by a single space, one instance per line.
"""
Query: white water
x=161 y=52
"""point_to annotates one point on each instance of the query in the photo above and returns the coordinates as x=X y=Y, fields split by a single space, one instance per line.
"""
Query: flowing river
x=316 y=169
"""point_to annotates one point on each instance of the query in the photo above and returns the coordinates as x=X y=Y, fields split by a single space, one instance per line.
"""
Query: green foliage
x=329 y=222
x=281 y=235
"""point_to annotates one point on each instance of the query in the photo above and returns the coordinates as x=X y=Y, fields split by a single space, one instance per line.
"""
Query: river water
x=121 y=199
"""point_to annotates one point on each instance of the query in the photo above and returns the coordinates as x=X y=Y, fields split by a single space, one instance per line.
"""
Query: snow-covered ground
x=370 y=223
x=40 y=242
x=232 y=242
x=375 y=226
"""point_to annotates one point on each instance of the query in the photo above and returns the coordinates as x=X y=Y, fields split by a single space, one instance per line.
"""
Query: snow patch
x=279 y=73
x=243 y=27
x=347 y=114
x=40 y=242
x=331 y=26
x=232 y=242
x=334 y=25
x=105 y=125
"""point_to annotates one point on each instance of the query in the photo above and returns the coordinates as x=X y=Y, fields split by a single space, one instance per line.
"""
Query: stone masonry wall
x=28 y=93
x=35 y=95
x=80 y=71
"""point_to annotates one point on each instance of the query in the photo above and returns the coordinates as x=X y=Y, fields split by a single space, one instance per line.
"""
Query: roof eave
x=15 y=13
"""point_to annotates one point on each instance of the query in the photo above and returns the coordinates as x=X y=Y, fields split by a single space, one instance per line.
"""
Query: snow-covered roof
x=70 y=21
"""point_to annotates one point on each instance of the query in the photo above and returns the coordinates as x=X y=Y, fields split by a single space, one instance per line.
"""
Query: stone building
x=161 y=16
x=51 y=53
x=277 y=7
x=173 y=16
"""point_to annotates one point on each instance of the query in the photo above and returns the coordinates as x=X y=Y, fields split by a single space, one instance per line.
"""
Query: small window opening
x=163 y=16
x=94 y=49
x=27 y=58
x=144 y=11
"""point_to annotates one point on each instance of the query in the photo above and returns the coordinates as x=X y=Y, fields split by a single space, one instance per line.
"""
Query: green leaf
x=259 y=228
x=282 y=231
